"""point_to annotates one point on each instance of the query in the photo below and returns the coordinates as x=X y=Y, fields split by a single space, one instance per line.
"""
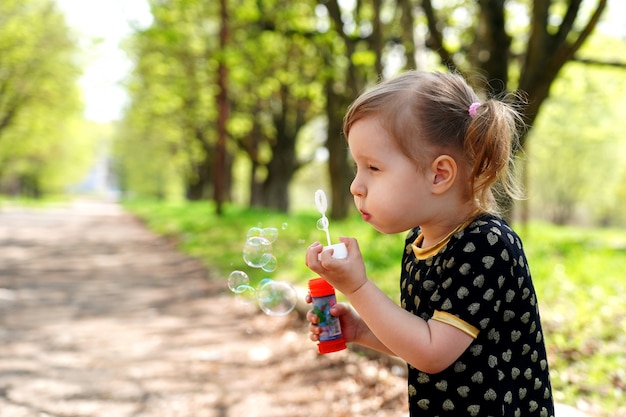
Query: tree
x=526 y=59
x=278 y=92
x=38 y=99
x=250 y=87
x=173 y=106
x=576 y=169
x=223 y=109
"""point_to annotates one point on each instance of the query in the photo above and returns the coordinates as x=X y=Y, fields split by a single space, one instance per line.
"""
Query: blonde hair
x=427 y=113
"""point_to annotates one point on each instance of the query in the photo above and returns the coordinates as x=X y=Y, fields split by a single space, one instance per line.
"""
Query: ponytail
x=490 y=143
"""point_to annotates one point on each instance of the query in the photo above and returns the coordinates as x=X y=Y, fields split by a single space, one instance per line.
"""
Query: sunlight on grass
x=578 y=274
x=579 y=277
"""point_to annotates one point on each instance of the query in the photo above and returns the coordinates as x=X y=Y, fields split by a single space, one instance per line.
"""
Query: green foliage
x=578 y=274
x=39 y=152
x=577 y=154
x=273 y=89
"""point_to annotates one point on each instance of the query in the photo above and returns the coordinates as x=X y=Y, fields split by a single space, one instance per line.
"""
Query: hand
x=346 y=275
x=349 y=320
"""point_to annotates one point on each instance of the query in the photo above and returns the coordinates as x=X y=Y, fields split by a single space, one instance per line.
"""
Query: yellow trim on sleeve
x=454 y=321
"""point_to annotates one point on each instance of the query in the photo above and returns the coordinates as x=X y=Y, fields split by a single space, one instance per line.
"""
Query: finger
x=308 y=298
x=339 y=309
x=315 y=329
x=311 y=317
x=350 y=242
x=325 y=257
x=311 y=254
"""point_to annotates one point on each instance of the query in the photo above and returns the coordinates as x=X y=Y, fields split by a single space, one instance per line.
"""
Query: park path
x=99 y=317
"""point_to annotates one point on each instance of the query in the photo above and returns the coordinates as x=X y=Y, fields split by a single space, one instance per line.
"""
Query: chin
x=391 y=229
x=385 y=230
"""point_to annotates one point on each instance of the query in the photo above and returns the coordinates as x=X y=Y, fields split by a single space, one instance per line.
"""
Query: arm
x=429 y=346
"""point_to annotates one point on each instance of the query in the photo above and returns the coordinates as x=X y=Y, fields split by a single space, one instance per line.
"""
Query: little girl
x=428 y=155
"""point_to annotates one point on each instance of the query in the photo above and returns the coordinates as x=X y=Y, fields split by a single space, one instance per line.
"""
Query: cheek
x=405 y=194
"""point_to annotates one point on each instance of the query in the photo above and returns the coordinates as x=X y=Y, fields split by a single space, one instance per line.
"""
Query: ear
x=444 y=172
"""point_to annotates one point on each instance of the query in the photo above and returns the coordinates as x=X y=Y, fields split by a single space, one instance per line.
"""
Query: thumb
x=351 y=243
x=339 y=309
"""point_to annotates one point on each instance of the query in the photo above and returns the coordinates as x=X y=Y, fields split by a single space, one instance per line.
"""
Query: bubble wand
x=323 y=293
x=322 y=204
x=339 y=249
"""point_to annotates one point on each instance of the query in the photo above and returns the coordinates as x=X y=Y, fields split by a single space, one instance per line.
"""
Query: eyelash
x=370 y=167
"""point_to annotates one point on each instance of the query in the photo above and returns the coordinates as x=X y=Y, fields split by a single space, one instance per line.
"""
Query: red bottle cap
x=320 y=288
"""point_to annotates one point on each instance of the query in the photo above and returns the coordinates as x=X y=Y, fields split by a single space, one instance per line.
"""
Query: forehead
x=367 y=137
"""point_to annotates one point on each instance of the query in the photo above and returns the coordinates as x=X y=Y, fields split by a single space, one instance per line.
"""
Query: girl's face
x=389 y=190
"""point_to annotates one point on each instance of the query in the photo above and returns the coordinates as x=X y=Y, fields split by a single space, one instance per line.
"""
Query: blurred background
x=242 y=101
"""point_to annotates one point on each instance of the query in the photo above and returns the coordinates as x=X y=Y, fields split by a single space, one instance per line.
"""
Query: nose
x=357 y=188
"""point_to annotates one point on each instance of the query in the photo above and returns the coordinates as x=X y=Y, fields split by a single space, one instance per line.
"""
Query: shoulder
x=488 y=245
x=487 y=233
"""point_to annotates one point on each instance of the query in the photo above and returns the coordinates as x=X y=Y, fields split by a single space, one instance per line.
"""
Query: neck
x=434 y=232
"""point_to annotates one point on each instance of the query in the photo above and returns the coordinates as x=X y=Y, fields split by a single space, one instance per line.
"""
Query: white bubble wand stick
x=322 y=204
x=340 y=250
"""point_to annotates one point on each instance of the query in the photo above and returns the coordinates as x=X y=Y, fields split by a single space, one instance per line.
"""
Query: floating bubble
x=254 y=251
x=277 y=298
x=270 y=263
x=322 y=224
x=270 y=233
x=254 y=231
x=284 y=226
x=237 y=278
x=262 y=283
x=245 y=294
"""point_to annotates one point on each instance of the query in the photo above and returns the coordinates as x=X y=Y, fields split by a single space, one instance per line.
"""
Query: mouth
x=365 y=215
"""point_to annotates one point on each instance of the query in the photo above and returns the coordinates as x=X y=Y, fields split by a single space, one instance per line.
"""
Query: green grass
x=579 y=275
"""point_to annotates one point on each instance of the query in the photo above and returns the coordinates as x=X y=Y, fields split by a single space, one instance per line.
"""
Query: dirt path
x=99 y=317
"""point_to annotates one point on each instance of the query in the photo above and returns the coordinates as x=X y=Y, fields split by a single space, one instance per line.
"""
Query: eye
x=373 y=168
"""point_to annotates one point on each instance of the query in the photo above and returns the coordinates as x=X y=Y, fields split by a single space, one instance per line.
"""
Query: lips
x=365 y=215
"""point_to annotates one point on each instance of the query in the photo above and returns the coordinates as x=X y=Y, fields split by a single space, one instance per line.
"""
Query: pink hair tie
x=472 y=109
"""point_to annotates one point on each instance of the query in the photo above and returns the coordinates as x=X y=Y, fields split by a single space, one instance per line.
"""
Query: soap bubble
x=254 y=251
x=273 y=297
x=270 y=233
x=277 y=298
x=245 y=294
x=237 y=278
x=270 y=263
x=254 y=231
x=284 y=226
x=262 y=283
x=322 y=223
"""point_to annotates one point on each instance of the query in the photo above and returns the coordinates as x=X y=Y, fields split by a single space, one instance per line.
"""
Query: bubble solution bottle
x=323 y=295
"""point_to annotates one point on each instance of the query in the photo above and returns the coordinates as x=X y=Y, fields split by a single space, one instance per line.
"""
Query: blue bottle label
x=328 y=323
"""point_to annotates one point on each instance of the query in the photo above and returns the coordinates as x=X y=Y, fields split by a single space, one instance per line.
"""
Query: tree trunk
x=339 y=170
x=219 y=186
